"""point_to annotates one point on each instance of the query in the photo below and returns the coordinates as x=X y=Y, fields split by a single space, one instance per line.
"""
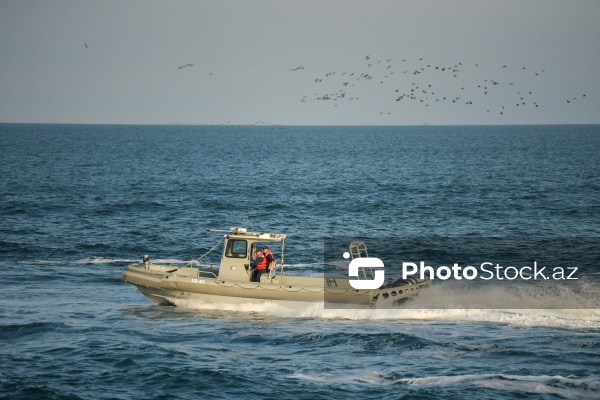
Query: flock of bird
x=426 y=84
x=191 y=65
x=417 y=81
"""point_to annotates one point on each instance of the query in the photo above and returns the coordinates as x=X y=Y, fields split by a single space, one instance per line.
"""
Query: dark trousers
x=257 y=274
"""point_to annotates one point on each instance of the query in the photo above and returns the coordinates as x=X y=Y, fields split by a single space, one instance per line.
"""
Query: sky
x=309 y=62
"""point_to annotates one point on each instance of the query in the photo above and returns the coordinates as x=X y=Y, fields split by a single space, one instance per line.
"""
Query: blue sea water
x=79 y=202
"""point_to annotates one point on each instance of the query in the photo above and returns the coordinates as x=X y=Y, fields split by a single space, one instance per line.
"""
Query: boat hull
x=174 y=298
x=166 y=285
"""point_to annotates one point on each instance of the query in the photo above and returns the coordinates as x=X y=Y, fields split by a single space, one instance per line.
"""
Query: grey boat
x=229 y=282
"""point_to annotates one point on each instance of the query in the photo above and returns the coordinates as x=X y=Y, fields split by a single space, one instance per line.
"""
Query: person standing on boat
x=269 y=256
x=259 y=265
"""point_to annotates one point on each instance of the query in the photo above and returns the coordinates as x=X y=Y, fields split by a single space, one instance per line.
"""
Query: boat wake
x=578 y=295
x=561 y=318
x=567 y=387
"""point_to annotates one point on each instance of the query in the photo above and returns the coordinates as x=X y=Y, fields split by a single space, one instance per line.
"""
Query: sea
x=78 y=203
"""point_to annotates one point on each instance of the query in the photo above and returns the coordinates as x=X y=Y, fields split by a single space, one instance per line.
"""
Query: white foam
x=581 y=294
x=372 y=377
x=569 y=319
x=41 y=262
x=545 y=384
x=102 y=260
x=563 y=386
x=242 y=308
x=555 y=318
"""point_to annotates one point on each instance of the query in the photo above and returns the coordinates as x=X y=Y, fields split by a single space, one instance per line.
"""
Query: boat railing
x=206 y=274
x=272 y=269
x=359 y=250
x=197 y=260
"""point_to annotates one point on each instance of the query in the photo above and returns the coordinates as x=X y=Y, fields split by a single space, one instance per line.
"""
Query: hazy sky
x=300 y=62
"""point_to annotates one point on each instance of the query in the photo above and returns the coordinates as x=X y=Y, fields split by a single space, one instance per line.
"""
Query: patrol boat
x=230 y=281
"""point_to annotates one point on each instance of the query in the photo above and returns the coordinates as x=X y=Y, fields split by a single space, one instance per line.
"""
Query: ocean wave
x=568 y=387
x=18 y=331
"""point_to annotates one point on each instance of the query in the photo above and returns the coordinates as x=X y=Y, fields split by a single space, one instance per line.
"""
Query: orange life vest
x=262 y=264
x=267 y=254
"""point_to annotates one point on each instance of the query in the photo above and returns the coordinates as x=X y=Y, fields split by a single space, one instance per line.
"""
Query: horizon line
x=287 y=125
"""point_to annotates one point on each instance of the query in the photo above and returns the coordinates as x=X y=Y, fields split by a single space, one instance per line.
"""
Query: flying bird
x=426 y=97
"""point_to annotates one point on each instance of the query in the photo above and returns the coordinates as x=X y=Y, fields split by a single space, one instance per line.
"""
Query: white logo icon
x=366 y=262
